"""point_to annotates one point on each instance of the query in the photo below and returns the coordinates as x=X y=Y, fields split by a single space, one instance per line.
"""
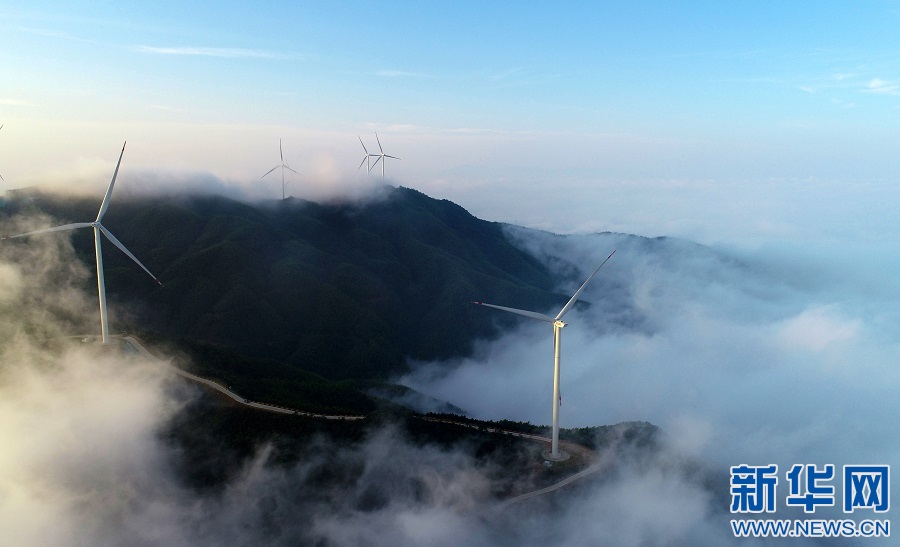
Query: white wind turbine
x=283 y=167
x=381 y=157
x=366 y=158
x=98 y=228
x=557 y=328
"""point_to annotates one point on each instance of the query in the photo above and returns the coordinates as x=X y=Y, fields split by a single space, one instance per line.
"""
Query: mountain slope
x=345 y=290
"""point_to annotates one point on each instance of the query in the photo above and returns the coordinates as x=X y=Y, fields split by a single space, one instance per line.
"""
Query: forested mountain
x=344 y=289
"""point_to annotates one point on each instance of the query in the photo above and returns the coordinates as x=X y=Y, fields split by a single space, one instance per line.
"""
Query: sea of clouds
x=748 y=356
x=741 y=357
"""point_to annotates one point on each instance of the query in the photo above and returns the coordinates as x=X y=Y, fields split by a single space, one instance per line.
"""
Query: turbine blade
x=379 y=144
x=575 y=296
x=122 y=248
x=395 y=157
x=289 y=169
x=105 y=203
x=376 y=163
x=55 y=229
x=361 y=163
x=280 y=152
x=526 y=313
x=363 y=145
x=270 y=170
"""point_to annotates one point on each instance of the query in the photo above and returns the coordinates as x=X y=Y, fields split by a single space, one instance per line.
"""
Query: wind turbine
x=98 y=228
x=381 y=157
x=283 y=167
x=366 y=158
x=557 y=329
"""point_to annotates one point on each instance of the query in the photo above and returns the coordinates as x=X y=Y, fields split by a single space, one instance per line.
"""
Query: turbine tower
x=557 y=329
x=381 y=157
x=283 y=167
x=366 y=158
x=98 y=228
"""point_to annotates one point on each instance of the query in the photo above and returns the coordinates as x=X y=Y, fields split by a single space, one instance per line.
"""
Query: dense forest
x=292 y=292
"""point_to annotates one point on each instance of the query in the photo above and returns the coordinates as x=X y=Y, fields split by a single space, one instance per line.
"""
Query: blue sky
x=735 y=122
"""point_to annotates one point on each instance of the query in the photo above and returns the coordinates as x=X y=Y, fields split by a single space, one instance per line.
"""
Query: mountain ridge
x=345 y=289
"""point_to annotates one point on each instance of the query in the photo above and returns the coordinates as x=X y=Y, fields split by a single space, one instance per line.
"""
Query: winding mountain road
x=599 y=463
x=139 y=347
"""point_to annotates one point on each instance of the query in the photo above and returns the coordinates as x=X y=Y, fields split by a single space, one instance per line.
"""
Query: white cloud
x=740 y=352
x=228 y=53
x=817 y=329
x=882 y=87
x=400 y=74
x=724 y=351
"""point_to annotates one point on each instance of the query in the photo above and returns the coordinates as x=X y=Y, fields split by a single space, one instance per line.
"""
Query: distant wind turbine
x=98 y=228
x=557 y=328
x=366 y=158
x=283 y=167
x=381 y=157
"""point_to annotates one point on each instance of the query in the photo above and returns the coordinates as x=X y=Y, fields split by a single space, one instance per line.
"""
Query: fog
x=85 y=461
x=765 y=356
x=83 y=464
x=740 y=357
x=321 y=182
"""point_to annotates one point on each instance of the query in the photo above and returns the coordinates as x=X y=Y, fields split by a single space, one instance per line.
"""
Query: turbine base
x=561 y=457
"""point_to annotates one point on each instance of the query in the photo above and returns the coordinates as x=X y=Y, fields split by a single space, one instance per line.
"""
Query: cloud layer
x=743 y=357
x=741 y=360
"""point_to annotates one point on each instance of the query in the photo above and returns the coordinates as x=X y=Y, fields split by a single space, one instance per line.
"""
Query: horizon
x=689 y=121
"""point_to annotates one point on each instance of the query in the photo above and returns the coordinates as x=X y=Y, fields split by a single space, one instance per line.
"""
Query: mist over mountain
x=738 y=356
x=343 y=289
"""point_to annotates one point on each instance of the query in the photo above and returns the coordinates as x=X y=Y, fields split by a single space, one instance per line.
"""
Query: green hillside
x=344 y=290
